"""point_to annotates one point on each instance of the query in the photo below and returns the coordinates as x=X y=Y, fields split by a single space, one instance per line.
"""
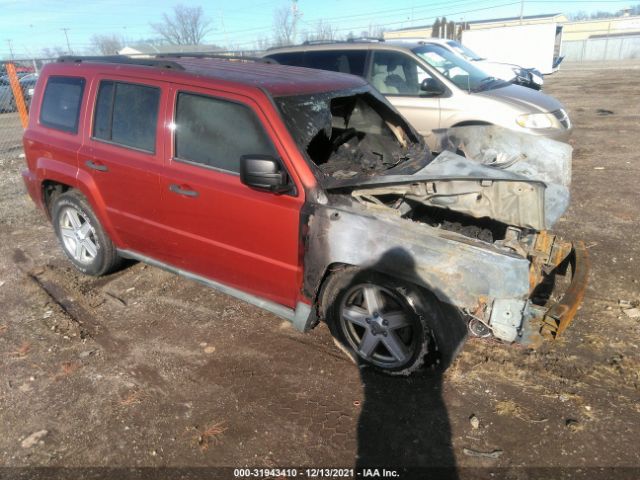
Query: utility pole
x=65 y=30
x=10 y=48
x=296 y=15
x=521 y=10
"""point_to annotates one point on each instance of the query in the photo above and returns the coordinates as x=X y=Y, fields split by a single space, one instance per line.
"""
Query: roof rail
x=330 y=42
x=320 y=42
x=365 y=39
x=214 y=55
x=123 y=59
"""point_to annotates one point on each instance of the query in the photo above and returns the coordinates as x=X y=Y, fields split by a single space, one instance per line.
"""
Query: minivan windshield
x=462 y=73
x=464 y=51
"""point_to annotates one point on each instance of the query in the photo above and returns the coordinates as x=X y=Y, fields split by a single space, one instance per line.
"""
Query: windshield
x=349 y=134
x=464 y=51
x=462 y=73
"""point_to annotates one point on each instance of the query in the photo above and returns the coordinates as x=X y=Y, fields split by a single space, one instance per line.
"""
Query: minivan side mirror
x=264 y=172
x=431 y=88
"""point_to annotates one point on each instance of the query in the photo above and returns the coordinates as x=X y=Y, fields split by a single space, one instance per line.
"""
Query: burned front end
x=470 y=223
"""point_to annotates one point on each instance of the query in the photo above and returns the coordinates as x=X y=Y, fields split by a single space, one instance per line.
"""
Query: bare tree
x=107 y=44
x=451 y=30
x=187 y=26
x=285 y=20
x=374 y=31
x=323 y=31
x=53 y=52
x=262 y=43
x=435 y=29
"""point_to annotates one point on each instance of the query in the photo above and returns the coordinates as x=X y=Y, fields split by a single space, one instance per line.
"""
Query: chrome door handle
x=96 y=166
x=182 y=191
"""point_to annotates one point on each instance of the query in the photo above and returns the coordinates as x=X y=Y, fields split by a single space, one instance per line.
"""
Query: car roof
x=278 y=80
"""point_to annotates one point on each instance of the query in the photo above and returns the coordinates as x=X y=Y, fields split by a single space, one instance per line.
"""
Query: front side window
x=61 y=103
x=394 y=73
x=127 y=114
x=216 y=133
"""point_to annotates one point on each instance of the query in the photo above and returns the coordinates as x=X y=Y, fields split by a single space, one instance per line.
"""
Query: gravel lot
x=145 y=369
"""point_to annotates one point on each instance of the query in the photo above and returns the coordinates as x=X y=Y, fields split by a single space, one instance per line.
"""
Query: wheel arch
x=472 y=123
x=51 y=188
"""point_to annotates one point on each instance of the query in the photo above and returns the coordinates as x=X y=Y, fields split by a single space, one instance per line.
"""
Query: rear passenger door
x=122 y=157
x=216 y=226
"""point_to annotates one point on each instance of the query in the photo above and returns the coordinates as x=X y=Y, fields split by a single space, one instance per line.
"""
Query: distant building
x=602 y=27
x=513 y=21
x=577 y=30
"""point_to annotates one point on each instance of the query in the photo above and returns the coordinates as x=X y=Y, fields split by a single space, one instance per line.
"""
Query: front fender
x=458 y=270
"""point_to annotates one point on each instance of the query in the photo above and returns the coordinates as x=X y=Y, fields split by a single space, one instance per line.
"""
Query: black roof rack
x=123 y=59
x=365 y=39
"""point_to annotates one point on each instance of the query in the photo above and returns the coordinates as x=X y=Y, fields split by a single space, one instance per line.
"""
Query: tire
x=81 y=236
x=397 y=333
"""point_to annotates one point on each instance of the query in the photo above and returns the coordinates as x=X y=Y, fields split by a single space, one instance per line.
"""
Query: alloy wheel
x=380 y=325
x=78 y=236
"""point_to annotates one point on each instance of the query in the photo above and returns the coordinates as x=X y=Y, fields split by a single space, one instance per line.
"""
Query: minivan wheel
x=82 y=237
x=385 y=323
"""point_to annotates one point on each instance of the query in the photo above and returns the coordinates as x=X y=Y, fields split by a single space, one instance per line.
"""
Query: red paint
x=230 y=233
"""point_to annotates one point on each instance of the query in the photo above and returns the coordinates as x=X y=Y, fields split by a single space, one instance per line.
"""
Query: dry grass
x=210 y=436
x=66 y=369
x=134 y=398
x=22 y=351
x=509 y=408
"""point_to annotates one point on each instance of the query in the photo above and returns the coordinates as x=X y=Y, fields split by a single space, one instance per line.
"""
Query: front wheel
x=386 y=323
x=82 y=237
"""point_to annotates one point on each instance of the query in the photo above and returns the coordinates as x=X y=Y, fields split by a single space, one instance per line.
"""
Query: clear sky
x=31 y=25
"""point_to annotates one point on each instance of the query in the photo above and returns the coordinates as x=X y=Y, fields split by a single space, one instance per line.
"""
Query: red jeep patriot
x=300 y=191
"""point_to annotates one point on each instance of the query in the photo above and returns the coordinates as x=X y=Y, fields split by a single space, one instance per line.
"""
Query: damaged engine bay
x=486 y=195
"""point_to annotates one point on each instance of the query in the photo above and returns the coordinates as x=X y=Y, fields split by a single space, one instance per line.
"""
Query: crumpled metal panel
x=455 y=183
x=531 y=156
x=459 y=270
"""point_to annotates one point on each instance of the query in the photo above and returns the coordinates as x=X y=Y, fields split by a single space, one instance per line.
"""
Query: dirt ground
x=146 y=369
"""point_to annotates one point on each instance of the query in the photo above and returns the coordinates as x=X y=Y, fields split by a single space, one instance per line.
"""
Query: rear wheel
x=82 y=237
x=383 y=322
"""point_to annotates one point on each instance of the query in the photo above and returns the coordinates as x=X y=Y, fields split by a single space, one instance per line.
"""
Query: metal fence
x=17 y=83
x=605 y=48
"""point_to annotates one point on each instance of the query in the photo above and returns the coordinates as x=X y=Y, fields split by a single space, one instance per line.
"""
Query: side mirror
x=263 y=172
x=431 y=88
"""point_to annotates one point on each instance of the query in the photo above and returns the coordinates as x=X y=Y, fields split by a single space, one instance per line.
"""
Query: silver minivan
x=435 y=88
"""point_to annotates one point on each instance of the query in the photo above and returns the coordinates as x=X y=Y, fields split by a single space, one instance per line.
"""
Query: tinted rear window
x=294 y=59
x=343 y=61
x=127 y=114
x=61 y=103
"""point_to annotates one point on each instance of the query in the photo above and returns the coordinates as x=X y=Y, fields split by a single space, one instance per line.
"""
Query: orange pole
x=17 y=93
